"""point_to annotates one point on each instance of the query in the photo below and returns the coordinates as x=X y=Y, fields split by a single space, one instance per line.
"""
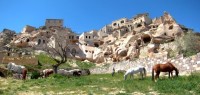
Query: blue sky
x=85 y=15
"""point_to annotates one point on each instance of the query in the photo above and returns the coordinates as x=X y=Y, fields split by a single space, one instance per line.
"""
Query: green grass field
x=47 y=62
x=101 y=84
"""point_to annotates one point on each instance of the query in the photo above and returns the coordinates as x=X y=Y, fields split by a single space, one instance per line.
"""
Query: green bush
x=35 y=75
x=189 y=44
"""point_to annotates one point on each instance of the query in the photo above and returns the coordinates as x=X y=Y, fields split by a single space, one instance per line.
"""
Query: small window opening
x=114 y=24
x=171 y=27
x=27 y=40
x=139 y=25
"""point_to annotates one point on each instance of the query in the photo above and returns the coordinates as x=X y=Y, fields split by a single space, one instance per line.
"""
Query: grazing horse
x=19 y=69
x=74 y=72
x=167 y=67
x=46 y=72
x=85 y=72
x=134 y=70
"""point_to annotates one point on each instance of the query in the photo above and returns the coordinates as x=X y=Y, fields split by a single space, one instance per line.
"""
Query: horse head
x=10 y=66
x=177 y=72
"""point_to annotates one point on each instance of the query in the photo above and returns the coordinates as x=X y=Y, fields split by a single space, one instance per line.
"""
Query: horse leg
x=124 y=77
x=141 y=74
x=131 y=75
x=169 y=74
x=153 y=78
x=157 y=75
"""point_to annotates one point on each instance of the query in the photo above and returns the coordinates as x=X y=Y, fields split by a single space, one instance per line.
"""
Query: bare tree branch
x=60 y=51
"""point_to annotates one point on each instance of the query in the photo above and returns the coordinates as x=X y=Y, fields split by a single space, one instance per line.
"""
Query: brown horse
x=167 y=67
x=45 y=73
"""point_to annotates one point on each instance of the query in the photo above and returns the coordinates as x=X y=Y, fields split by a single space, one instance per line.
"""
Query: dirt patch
x=29 y=93
x=137 y=93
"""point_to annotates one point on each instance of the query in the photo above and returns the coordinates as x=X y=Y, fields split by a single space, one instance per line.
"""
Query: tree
x=58 y=54
x=189 y=44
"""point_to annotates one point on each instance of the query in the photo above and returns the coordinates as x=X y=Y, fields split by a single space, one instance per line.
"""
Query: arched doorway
x=39 y=41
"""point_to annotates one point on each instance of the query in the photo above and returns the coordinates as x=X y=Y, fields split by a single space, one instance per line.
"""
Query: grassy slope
x=101 y=84
x=47 y=62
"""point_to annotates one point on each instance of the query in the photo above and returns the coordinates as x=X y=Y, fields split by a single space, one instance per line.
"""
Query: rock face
x=123 y=39
x=6 y=36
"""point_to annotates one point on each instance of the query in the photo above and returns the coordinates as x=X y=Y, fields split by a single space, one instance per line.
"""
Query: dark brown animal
x=24 y=72
x=45 y=73
x=167 y=67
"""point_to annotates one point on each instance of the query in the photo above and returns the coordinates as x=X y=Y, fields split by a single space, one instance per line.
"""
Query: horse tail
x=145 y=72
x=153 y=74
x=24 y=72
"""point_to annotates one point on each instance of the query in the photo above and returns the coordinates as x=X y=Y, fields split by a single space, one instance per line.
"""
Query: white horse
x=65 y=72
x=69 y=73
x=134 y=70
x=19 y=69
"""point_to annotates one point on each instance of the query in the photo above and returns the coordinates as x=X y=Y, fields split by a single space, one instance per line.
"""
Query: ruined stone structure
x=28 y=29
x=54 y=23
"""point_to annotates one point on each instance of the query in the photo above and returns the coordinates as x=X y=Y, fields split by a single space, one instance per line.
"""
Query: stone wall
x=20 y=60
x=186 y=65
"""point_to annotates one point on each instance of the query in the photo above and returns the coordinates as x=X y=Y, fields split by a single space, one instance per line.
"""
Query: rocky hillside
x=6 y=36
x=123 y=39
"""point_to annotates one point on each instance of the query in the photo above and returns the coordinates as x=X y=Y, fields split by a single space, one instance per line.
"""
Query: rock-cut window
x=39 y=41
x=114 y=24
x=170 y=27
x=27 y=40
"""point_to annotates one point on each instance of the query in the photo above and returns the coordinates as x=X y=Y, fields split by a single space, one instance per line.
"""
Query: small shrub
x=1 y=91
x=35 y=75
x=171 y=53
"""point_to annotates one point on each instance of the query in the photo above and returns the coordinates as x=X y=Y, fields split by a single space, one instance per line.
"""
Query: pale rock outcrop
x=168 y=30
x=98 y=56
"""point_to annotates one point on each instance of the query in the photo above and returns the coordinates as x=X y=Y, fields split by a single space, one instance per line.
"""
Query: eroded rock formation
x=123 y=39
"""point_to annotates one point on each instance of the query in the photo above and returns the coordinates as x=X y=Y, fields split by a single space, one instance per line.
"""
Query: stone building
x=105 y=31
x=54 y=23
x=142 y=18
x=119 y=23
x=28 y=29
